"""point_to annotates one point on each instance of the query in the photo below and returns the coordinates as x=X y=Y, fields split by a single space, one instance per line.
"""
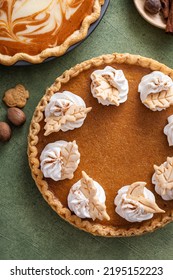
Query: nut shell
x=5 y=132
x=16 y=116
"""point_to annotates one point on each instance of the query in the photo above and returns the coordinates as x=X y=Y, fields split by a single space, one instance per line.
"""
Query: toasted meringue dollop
x=87 y=199
x=163 y=179
x=156 y=91
x=59 y=160
x=136 y=203
x=168 y=130
x=65 y=111
x=109 y=86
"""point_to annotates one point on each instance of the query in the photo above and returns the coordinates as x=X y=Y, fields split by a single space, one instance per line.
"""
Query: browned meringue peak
x=136 y=192
x=97 y=210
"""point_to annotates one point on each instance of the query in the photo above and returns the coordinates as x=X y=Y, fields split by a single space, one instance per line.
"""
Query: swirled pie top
x=32 y=26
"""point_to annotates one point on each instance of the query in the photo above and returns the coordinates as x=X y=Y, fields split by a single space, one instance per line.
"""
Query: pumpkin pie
x=33 y=32
x=97 y=145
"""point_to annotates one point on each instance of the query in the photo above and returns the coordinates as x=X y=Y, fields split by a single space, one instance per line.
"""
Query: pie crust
x=118 y=145
x=74 y=37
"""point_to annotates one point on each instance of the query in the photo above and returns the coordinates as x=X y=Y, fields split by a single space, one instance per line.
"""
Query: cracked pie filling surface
x=99 y=145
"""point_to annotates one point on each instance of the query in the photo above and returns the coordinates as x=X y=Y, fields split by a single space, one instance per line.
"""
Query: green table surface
x=29 y=228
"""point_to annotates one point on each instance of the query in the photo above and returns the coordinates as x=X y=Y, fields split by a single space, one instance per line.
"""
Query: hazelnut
x=16 y=116
x=5 y=132
x=152 y=6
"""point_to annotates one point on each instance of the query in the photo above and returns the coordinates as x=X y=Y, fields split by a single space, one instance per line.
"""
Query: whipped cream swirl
x=109 y=86
x=157 y=87
x=59 y=160
x=79 y=203
x=134 y=209
x=168 y=130
x=58 y=109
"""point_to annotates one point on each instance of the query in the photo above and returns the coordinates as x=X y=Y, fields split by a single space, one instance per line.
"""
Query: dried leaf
x=164 y=174
x=96 y=209
x=136 y=192
x=87 y=186
x=70 y=157
x=53 y=124
x=74 y=113
x=105 y=88
x=161 y=100
x=150 y=206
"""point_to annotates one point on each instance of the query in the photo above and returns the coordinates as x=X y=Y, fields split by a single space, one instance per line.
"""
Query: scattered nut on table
x=5 y=132
x=16 y=116
x=16 y=97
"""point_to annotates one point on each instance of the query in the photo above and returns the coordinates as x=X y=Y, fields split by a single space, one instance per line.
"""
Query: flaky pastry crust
x=65 y=213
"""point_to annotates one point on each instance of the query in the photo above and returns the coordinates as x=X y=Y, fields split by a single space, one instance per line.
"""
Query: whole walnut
x=152 y=6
